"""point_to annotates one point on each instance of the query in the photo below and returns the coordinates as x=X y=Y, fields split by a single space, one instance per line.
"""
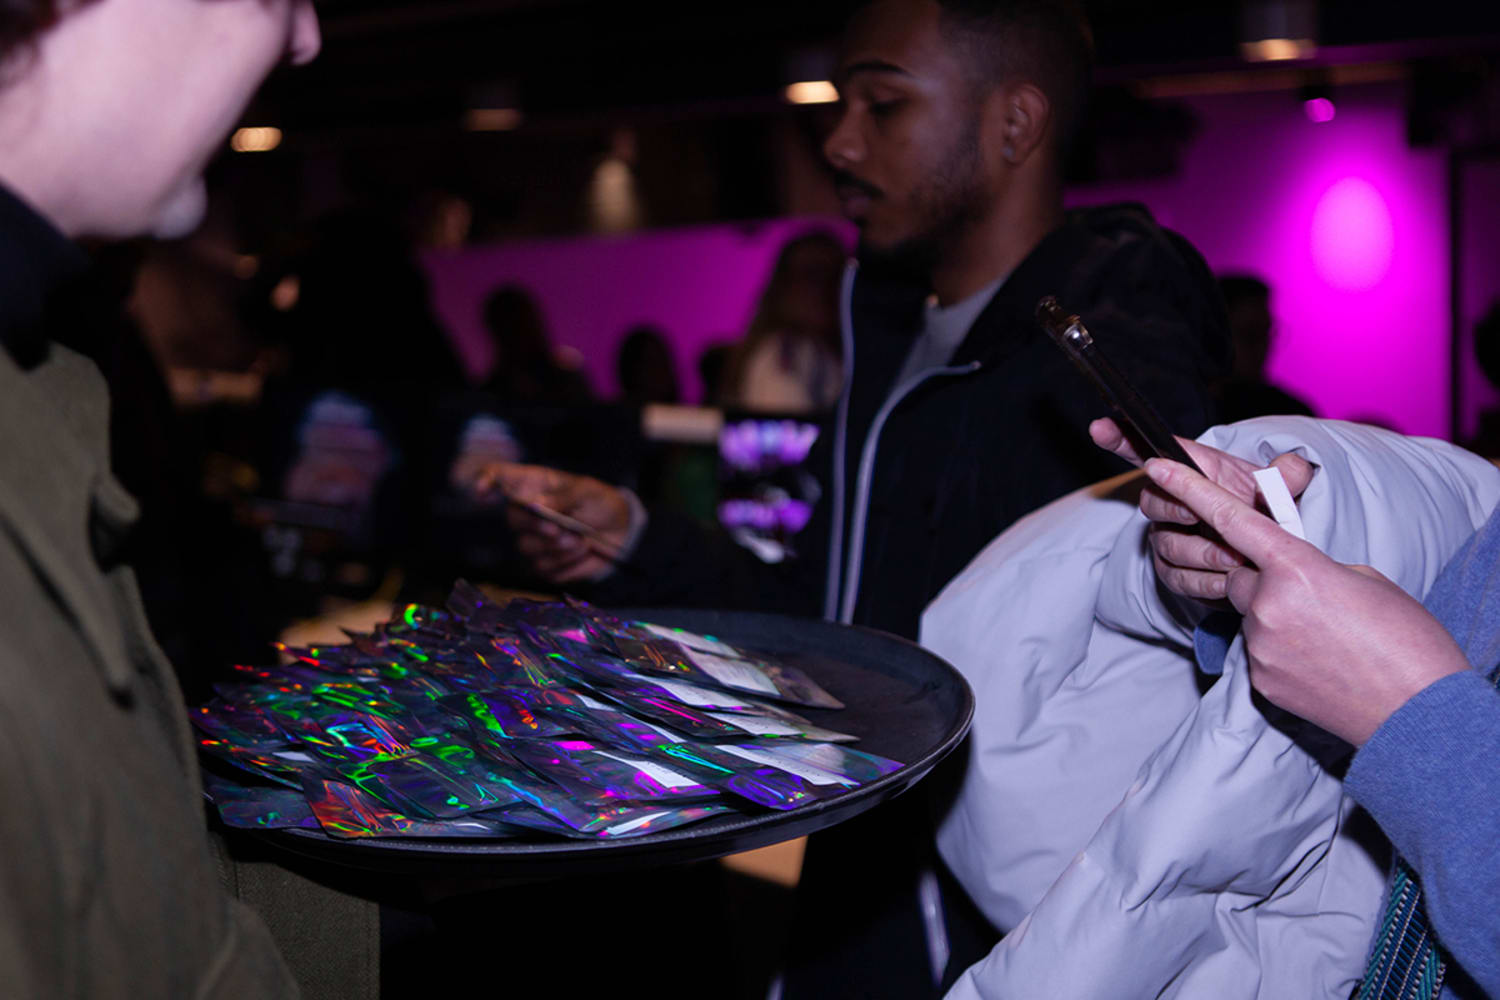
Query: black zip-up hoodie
x=925 y=480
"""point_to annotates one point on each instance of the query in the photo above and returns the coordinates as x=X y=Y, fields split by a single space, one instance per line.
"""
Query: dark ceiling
x=377 y=118
x=402 y=62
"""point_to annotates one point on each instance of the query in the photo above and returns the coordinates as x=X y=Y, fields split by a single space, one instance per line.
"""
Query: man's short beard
x=950 y=202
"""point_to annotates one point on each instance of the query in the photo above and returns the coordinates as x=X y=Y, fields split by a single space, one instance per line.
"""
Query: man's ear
x=1020 y=116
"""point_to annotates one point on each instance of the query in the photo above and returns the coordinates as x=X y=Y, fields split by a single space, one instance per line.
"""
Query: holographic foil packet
x=731 y=667
x=693 y=695
x=506 y=715
x=674 y=714
x=778 y=722
x=346 y=812
x=420 y=786
x=752 y=776
x=260 y=808
x=245 y=725
x=856 y=766
x=612 y=725
x=591 y=772
x=691 y=641
x=285 y=766
x=612 y=822
x=641 y=821
x=349 y=736
x=514 y=664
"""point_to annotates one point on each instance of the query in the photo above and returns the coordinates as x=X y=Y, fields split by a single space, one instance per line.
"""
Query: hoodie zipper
x=848 y=584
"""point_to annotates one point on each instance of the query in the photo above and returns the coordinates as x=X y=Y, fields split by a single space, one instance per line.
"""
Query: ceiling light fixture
x=812 y=92
x=255 y=139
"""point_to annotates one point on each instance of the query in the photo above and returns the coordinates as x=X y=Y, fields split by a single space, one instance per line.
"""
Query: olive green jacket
x=108 y=885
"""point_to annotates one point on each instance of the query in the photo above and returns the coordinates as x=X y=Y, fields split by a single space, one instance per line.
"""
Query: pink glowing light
x=1353 y=238
x=1320 y=110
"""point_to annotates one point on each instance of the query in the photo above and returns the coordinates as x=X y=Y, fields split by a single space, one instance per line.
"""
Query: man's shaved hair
x=1047 y=43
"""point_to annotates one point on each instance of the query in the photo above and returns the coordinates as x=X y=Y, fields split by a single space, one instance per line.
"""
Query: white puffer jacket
x=1137 y=836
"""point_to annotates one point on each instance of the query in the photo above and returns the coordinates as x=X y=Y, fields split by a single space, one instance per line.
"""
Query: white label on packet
x=733 y=673
x=691 y=640
x=698 y=697
x=1279 y=500
x=663 y=776
x=757 y=725
x=807 y=772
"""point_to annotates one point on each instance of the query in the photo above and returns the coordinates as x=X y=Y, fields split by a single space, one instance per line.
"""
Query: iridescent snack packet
x=856 y=766
x=551 y=810
x=246 y=725
x=422 y=786
x=286 y=766
x=504 y=714
x=594 y=773
x=777 y=722
x=655 y=707
x=741 y=671
x=346 y=812
x=614 y=726
x=694 y=695
x=752 y=776
x=261 y=807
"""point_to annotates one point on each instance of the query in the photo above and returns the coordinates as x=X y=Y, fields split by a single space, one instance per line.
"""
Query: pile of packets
x=487 y=721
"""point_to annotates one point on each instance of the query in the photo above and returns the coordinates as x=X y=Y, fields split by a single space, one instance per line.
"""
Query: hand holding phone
x=1068 y=333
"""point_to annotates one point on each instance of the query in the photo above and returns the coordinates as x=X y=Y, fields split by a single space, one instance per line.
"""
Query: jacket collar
x=37 y=265
x=58 y=502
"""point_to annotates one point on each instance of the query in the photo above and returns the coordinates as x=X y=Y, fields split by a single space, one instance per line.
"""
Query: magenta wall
x=1348 y=226
x=700 y=285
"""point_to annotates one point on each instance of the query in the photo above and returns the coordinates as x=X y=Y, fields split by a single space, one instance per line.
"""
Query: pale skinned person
x=109 y=886
x=1408 y=684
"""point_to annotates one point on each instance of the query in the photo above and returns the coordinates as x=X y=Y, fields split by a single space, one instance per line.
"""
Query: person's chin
x=182 y=212
x=901 y=259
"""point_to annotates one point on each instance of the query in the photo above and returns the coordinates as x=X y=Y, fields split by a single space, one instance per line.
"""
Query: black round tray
x=902 y=701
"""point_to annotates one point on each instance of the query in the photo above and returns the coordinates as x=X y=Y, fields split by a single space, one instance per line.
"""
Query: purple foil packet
x=260 y=808
x=856 y=766
x=422 y=786
x=594 y=773
x=755 y=776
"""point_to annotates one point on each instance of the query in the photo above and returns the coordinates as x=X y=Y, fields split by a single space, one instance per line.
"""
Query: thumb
x=1295 y=470
x=1371 y=572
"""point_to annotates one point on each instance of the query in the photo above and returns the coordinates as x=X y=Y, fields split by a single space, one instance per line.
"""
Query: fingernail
x=1158 y=470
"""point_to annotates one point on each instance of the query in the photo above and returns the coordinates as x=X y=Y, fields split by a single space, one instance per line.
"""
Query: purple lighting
x=1320 y=110
x=1353 y=239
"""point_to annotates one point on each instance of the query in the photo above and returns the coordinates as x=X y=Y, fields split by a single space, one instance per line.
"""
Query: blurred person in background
x=109 y=112
x=958 y=414
x=1246 y=392
x=646 y=369
x=527 y=369
x=354 y=310
x=1486 y=440
x=788 y=361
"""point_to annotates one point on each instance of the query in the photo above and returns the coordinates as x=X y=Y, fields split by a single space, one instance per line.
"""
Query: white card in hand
x=1279 y=500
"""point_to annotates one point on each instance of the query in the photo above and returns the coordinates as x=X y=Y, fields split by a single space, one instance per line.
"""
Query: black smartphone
x=1068 y=332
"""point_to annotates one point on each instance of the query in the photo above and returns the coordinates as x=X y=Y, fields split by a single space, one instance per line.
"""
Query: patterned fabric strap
x=1407 y=963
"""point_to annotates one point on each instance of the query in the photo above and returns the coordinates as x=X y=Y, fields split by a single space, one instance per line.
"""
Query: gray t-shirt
x=944 y=329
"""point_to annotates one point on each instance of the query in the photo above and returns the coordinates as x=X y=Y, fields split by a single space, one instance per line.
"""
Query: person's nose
x=307 y=38
x=844 y=148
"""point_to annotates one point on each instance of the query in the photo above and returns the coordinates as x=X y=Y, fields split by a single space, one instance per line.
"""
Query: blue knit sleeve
x=1430 y=776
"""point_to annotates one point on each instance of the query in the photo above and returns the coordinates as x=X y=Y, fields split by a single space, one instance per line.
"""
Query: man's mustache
x=843 y=180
